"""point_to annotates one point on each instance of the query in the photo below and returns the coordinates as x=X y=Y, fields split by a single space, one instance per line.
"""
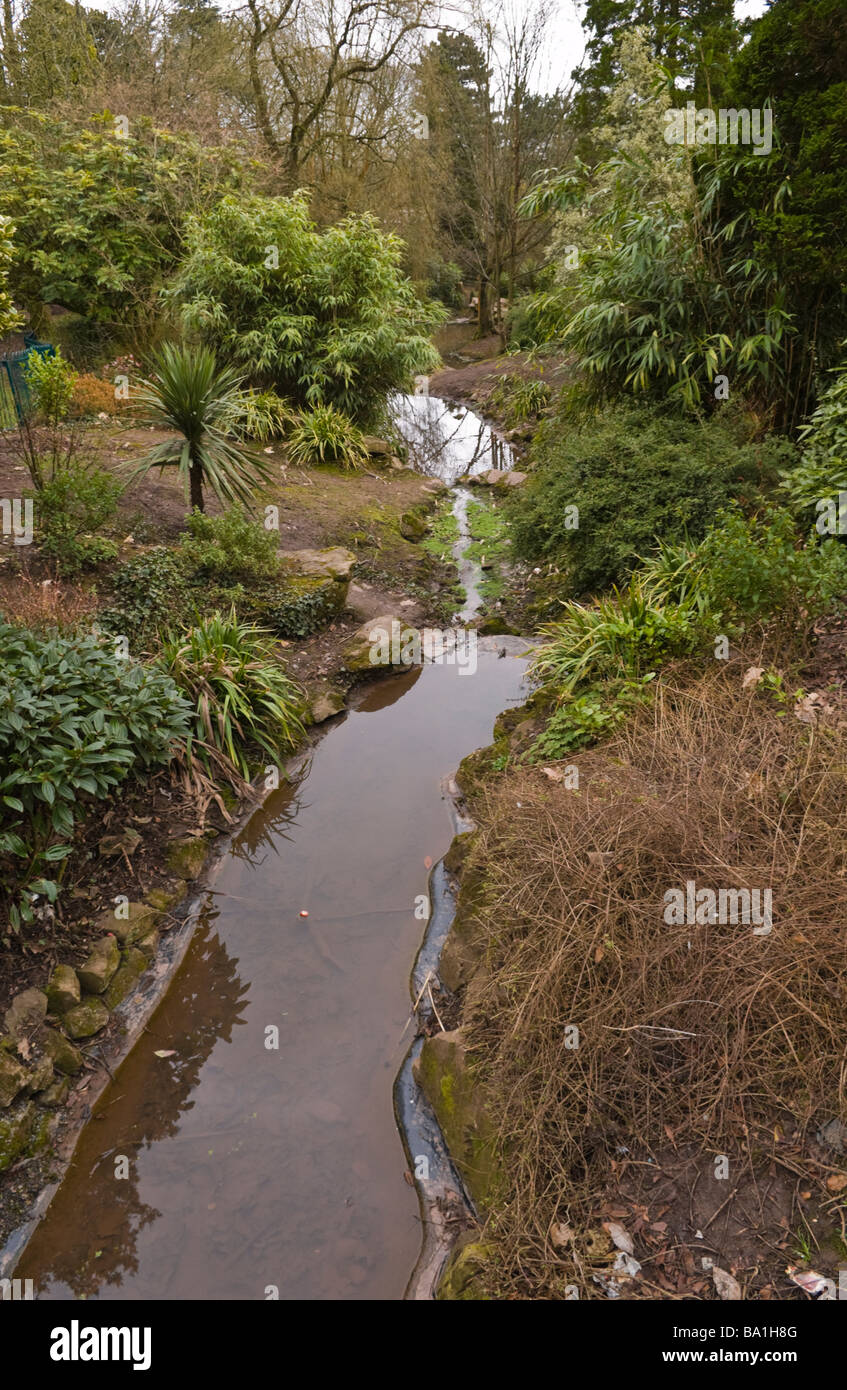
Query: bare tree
x=306 y=58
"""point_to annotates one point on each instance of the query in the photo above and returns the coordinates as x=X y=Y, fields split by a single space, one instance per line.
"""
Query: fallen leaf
x=728 y=1288
x=836 y=1182
x=752 y=676
x=620 y=1237
x=560 y=1235
x=172 y=1053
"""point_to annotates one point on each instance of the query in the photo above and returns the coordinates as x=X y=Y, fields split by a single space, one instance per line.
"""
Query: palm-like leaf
x=191 y=394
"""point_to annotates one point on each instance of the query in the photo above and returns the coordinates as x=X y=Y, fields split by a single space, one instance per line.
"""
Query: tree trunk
x=195 y=482
x=484 y=324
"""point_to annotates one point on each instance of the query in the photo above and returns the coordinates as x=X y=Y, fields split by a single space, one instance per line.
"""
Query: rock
x=87 y=1018
x=187 y=857
x=126 y=977
x=325 y=705
x=63 y=989
x=334 y=563
x=13 y=1078
x=369 y=648
x=164 y=899
x=56 y=1094
x=139 y=919
x=442 y=1072
x=376 y=446
x=39 y=1074
x=16 y=1128
x=461 y=1274
x=148 y=944
x=65 y=1057
x=25 y=1013
x=413 y=525
x=436 y=486
x=101 y=965
x=506 y=477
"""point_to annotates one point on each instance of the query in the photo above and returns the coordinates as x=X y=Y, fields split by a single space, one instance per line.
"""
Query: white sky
x=566 y=44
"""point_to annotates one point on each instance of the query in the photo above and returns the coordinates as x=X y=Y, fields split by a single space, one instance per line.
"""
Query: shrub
x=152 y=596
x=241 y=696
x=585 y=718
x=335 y=322
x=194 y=396
x=50 y=380
x=230 y=548
x=260 y=415
x=637 y=477
x=756 y=568
x=623 y=634
x=69 y=510
x=74 y=721
x=521 y=398
x=92 y=396
x=823 y=470
x=325 y=435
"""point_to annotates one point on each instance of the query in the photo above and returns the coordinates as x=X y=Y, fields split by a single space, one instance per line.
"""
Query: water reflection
x=446 y=441
x=90 y=1240
x=254 y=1164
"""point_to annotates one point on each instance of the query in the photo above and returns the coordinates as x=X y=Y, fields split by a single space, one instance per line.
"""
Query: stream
x=260 y=1156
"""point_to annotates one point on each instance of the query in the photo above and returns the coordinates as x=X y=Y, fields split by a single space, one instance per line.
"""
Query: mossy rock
x=63 y=990
x=87 y=1018
x=148 y=944
x=13 y=1077
x=461 y=1279
x=299 y=604
x=17 y=1127
x=140 y=917
x=463 y=948
x=444 y=1076
x=187 y=858
x=66 y=1058
x=166 y=899
x=414 y=524
x=103 y=961
x=56 y=1094
x=458 y=851
x=130 y=971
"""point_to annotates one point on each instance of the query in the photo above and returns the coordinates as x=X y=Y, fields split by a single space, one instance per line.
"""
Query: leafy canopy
x=325 y=318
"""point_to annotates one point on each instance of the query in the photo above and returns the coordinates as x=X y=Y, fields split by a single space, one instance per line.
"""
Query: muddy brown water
x=251 y=1168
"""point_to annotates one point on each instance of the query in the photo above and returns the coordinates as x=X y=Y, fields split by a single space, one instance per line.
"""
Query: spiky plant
x=198 y=399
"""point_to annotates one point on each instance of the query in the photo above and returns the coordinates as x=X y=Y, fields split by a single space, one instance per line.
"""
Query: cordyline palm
x=191 y=394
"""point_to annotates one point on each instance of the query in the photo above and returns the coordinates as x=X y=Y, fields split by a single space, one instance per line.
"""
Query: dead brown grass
x=704 y=1035
x=44 y=603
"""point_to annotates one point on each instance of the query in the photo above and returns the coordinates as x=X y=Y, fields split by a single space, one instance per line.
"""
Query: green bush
x=50 y=382
x=152 y=596
x=756 y=568
x=326 y=435
x=231 y=548
x=335 y=322
x=637 y=477
x=74 y=722
x=241 y=696
x=623 y=634
x=822 y=474
x=521 y=398
x=69 y=511
x=586 y=718
x=295 y=607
